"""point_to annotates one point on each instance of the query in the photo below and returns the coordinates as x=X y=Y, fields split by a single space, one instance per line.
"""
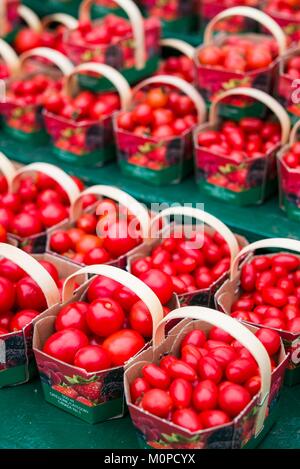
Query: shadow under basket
x=171 y=175
x=95 y=158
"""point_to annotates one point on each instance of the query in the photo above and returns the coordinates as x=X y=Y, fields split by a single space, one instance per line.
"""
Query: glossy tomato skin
x=191 y=355
x=208 y=368
x=195 y=337
x=187 y=418
x=22 y=318
x=180 y=369
x=233 y=398
x=240 y=370
x=181 y=392
x=72 y=315
x=270 y=340
x=7 y=295
x=156 y=377
x=92 y=358
x=104 y=317
x=160 y=283
x=123 y=345
x=157 y=402
x=29 y=295
x=101 y=287
x=205 y=395
x=64 y=344
x=138 y=387
x=140 y=319
x=213 y=418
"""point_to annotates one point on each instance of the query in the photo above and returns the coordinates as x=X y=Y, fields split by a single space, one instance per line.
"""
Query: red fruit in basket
x=270 y=340
x=204 y=278
x=104 y=317
x=11 y=201
x=88 y=242
x=60 y=242
x=72 y=316
x=156 y=98
x=53 y=213
x=138 y=388
x=10 y=270
x=92 y=358
x=187 y=418
x=163 y=132
x=125 y=297
x=208 y=368
x=142 y=114
x=51 y=269
x=96 y=256
x=155 y=376
x=248 y=277
x=274 y=296
x=160 y=283
x=293 y=325
x=216 y=333
x=157 y=402
x=195 y=337
x=210 y=55
x=258 y=57
x=191 y=355
x=5 y=319
x=125 y=121
x=29 y=295
x=6 y=217
x=48 y=196
x=119 y=240
x=25 y=225
x=3 y=234
x=223 y=355
x=53 y=102
x=3 y=185
x=123 y=345
x=87 y=223
x=253 y=385
x=75 y=236
x=233 y=398
x=7 y=295
x=205 y=395
x=64 y=344
x=240 y=370
x=287 y=261
x=27 y=39
x=140 y=319
x=22 y=318
x=180 y=369
x=101 y=287
x=140 y=266
x=181 y=392
x=213 y=418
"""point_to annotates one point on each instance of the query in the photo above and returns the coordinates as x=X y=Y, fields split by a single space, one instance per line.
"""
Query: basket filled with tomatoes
x=34 y=202
x=80 y=121
x=265 y=292
x=228 y=61
x=193 y=260
x=82 y=345
x=289 y=175
x=212 y=383
x=235 y=161
x=154 y=137
x=179 y=62
x=237 y=24
x=106 y=224
x=9 y=18
x=288 y=89
x=40 y=70
x=9 y=62
x=130 y=45
x=28 y=286
x=287 y=14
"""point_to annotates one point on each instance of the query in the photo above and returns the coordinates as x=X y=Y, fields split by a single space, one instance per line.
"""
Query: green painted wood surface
x=265 y=220
x=27 y=421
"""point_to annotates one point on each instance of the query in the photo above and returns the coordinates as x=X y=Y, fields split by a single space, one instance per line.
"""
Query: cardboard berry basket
x=211 y=224
x=250 y=181
x=287 y=16
x=238 y=24
x=289 y=179
x=158 y=161
x=61 y=380
x=9 y=18
x=57 y=24
x=23 y=120
x=16 y=363
x=37 y=242
x=134 y=54
x=213 y=81
x=287 y=85
x=230 y=291
x=123 y=200
x=86 y=142
x=180 y=50
x=247 y=427
x=9 y=62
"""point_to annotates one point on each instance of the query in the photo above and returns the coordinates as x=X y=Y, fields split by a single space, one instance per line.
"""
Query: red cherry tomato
x=223 y=355
x=123 y=345
x=253 y=385
x=274 y=296
x=195 y=337
x=140 y=266
x=166 y=361
x=160 y=283
x=208 y=368
x=72 y=316
x=240 y=370
x=213 y=418
x=92 y=358
x=138 y=388
x=180 y=369
x=181 y=393
x=22 y=318
x=233 y=398
x=60 y=242
x=187 y=418
x=191 y=355
x=157 y=402
x=7 y=295
x=104 y=317
x=64 y=344
x=216 y=333
x=140 y=319
x=29 y=295
x=205 y=395
x=101 y=287
x=270 y=340
x=156 y=376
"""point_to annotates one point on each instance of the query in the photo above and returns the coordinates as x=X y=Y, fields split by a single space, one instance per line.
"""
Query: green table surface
x=27 y=421
x=266 y=220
